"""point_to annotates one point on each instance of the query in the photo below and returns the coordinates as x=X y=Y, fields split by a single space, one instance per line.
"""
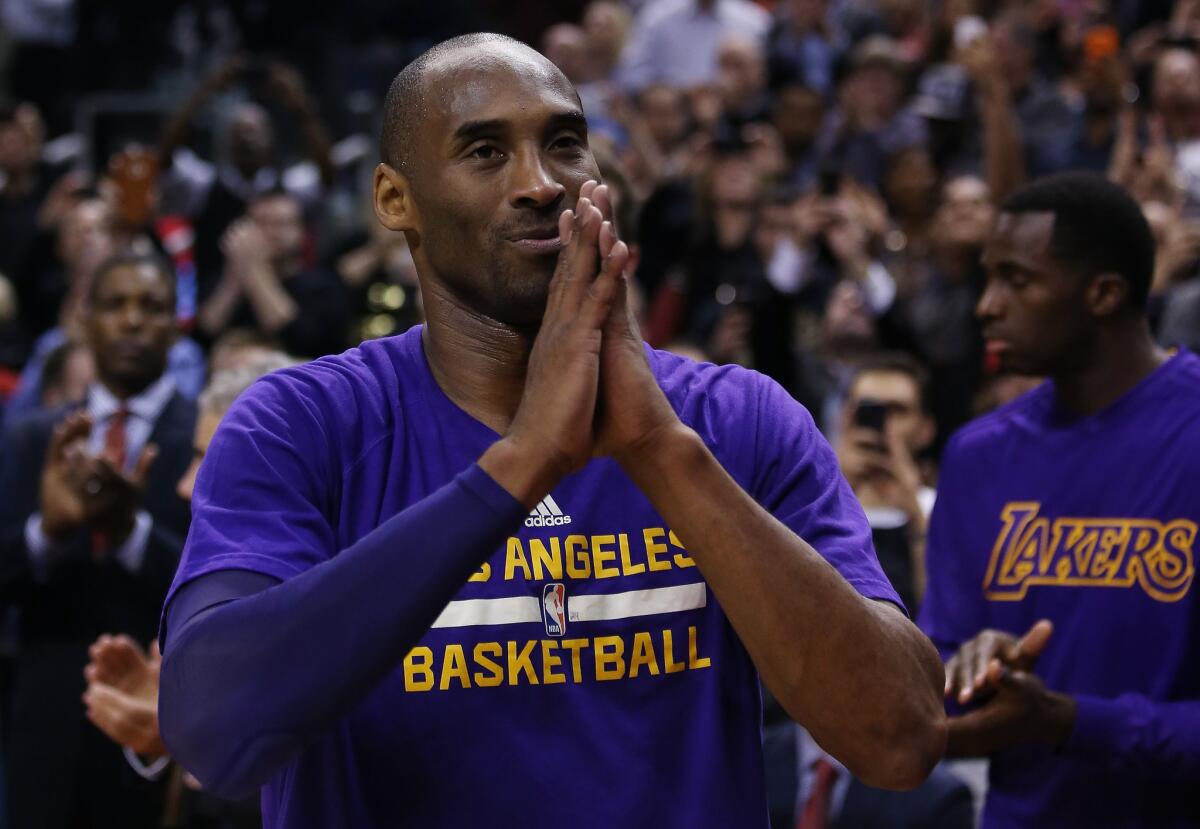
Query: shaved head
x=407 y=104
x=484 y=145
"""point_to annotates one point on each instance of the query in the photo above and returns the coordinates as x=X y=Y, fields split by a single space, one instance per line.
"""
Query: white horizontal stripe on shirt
x=580 y=608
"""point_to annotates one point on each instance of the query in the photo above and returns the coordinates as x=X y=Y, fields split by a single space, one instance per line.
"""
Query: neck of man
x=1116 y=361
x=479 y=362
x=124 y=388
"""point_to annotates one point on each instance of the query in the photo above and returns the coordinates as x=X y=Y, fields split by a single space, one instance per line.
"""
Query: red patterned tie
x=816 y=810
x=114 y=438
x=114 y=452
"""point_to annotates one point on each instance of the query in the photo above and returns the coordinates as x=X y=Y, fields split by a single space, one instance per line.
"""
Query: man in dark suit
x=91 y=529
x=807 y=789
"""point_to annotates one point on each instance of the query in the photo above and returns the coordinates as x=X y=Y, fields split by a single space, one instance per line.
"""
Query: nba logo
x=554 y=608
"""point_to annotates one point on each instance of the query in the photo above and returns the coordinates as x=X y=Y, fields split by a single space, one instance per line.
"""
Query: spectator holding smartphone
x=886 y=427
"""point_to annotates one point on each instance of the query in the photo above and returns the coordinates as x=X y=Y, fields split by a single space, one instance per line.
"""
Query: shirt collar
x=103 y=404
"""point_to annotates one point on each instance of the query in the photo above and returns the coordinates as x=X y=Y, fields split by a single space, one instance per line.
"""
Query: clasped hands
x=589 y=389
x=995 y=670
x=79 y=489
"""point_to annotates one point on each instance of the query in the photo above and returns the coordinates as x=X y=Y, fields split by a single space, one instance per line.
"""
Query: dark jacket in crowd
x=56 y=759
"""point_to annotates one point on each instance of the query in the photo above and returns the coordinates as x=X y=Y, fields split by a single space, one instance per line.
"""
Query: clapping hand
x=122 y=693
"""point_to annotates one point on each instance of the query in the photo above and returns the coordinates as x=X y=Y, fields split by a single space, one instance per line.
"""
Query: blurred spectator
x=869 y=122
x=122 y=679
x=91 y=532
x=1175 y=93
x=910 y=188
x=213 y=194
x=882 y=438
x=68 y=372
x=800 y=48
x=86 y=237
x=676 y=41
x=939 y=281
x=741 y=82
x=267 y=287
x=1103 y=83
x=943 y=99
x=797 y=114
x=565 y=44
x=1047 y=120
x=1181 y=317
x=381 y=280
x=239 y=347
x=845 y=332
x=657 y=123
x=40 y=35
x=606 y=23
x=24 y=184
x=728 y=302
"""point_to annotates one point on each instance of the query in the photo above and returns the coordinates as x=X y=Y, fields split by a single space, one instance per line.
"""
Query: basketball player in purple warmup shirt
x=514 y=567
x=1061 y=549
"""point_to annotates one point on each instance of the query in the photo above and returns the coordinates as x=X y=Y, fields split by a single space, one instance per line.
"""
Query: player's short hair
x=898 y=362
x=404 y=107
x=1098 y=227
x=131 y=259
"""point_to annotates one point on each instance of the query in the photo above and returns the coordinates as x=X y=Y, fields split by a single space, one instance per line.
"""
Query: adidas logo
x=547 y=514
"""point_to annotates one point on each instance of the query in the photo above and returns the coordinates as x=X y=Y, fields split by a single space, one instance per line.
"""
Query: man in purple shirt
x=1061 y=548
x=514 y=563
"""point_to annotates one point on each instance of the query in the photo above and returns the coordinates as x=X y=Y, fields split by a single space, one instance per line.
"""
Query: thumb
x=1030 y=646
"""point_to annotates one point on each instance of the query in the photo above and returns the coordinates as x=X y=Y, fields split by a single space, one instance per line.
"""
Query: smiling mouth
x=539 y=245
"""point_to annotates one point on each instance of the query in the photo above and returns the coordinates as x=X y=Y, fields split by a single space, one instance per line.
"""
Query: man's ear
x=1106 y=294
x=394 y=204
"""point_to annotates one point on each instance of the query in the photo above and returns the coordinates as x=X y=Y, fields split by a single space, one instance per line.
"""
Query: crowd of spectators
x=808 y=184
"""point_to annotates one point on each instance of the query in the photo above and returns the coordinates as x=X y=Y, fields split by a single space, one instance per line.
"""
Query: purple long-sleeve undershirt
x=1137 y=736
x=276 y=663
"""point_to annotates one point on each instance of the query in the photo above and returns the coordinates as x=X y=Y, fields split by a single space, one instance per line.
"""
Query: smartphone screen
x=871 y=414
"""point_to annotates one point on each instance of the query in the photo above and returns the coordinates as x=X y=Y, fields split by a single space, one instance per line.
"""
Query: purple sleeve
x=952 y=610
x=797 y=479
x=247 y=680
x=263 y=499
x=1134 y=735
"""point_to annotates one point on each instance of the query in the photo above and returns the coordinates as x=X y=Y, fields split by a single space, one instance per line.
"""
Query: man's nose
x=533 y=186
x=132 y=315
x=990 y=305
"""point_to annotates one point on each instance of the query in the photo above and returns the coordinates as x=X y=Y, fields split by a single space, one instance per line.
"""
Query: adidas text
x=547 y=520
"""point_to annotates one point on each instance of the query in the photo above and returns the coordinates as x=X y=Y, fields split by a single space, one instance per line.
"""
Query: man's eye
x=485 y=152
x=566 y=142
